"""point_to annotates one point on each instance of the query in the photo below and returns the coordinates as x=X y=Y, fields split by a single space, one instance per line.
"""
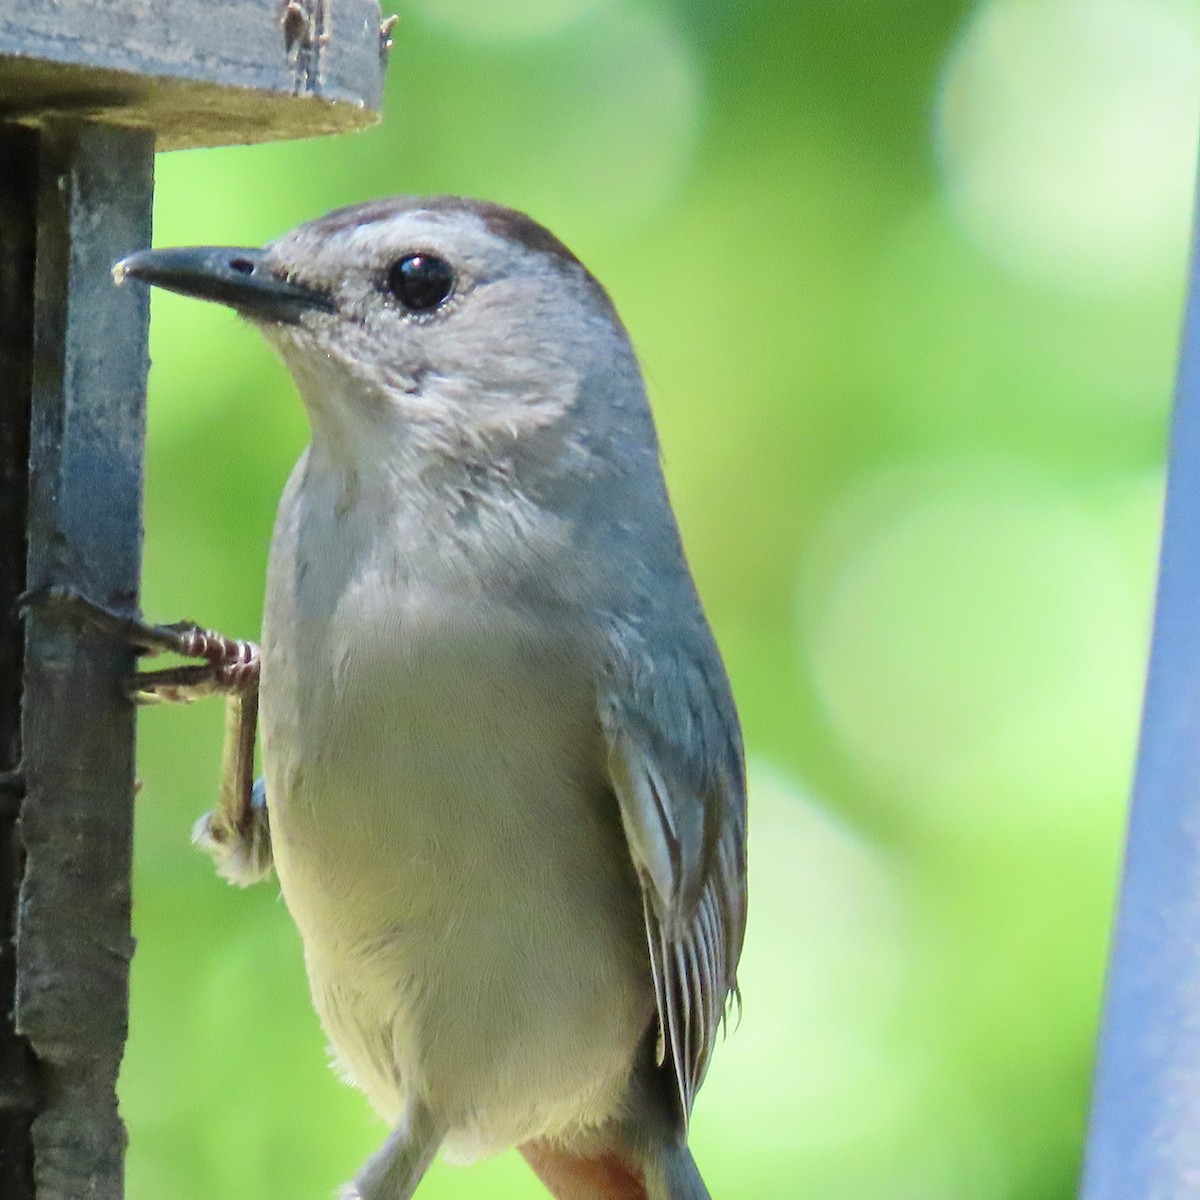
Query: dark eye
x=420 y=281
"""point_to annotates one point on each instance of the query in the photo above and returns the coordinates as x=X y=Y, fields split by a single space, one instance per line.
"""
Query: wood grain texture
x=87 y=424
x=196 y=72
x=18 y=233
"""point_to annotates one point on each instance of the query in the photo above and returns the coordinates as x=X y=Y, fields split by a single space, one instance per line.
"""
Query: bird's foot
x=229 y=666
x=242 y=850
x=236 y=833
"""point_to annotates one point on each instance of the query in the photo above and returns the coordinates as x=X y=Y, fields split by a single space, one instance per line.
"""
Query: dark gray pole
x=18 y=233
x=87 y=417
x=1144 y=1137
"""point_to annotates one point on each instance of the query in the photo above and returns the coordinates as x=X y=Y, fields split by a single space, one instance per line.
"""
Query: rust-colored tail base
x=606 y=1175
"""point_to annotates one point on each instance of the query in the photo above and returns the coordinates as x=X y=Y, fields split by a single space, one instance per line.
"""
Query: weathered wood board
x=197 y=72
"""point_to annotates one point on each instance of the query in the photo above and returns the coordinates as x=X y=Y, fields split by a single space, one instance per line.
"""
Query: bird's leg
x=236 y=832
x=393 y=1171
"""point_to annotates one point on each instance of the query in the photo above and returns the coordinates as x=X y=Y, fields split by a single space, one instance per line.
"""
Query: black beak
x=227 y=274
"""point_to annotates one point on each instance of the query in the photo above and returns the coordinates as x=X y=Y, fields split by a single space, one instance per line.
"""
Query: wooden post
x=18 y=230
x=88 y=91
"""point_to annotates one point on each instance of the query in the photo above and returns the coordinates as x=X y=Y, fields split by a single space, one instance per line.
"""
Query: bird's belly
x=449 y=849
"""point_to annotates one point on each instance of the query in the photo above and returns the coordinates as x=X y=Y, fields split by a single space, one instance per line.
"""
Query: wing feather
x=675 y=763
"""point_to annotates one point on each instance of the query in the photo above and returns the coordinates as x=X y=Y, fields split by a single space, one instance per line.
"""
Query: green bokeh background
x=905 y=281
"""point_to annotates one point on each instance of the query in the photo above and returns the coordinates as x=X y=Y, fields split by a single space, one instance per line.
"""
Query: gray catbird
x=505 y=794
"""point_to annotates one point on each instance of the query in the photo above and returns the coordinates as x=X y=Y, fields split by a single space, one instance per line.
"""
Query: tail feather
x=681 y=1176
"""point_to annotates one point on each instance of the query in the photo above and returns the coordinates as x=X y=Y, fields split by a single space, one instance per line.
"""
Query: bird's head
x=446 y=325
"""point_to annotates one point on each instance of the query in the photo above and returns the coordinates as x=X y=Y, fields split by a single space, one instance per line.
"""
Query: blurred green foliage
x=905 y=282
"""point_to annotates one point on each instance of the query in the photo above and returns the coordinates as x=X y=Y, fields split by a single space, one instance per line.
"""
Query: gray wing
x=676 y=766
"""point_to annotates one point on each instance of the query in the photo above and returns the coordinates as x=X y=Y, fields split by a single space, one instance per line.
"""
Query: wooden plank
x=85 y=531
x=197 y=72
x=18 y=232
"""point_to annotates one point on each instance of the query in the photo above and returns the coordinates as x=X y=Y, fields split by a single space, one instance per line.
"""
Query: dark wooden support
x=88 y=90
x=18 y=232
x=87 y=422
x=198 y=72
